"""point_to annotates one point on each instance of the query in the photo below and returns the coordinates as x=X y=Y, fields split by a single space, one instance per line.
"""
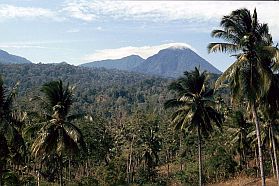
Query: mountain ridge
x=125 y=63
x=168 y=62
x=172 y=62
x=7 y=58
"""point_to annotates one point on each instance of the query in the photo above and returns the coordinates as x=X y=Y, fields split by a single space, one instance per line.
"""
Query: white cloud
x=163 y=11
x=74 y=30
x=10 y=11
x=23 y=46
x=80 y=10
x=147 y=11
x=28 y=45
x=144 y=52
x=99 y=28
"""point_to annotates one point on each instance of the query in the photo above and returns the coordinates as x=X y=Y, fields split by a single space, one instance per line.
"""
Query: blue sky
x=79 y=31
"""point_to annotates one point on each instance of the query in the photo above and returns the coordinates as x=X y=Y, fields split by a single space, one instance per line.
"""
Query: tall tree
x=250 y=75
x=195 y=108
x=268 y=106
x=151 y=145
x=238 y=129
x=11 y=141
x=58 y=136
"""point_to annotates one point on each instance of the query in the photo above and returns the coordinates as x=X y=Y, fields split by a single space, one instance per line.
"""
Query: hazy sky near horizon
x=79 y=31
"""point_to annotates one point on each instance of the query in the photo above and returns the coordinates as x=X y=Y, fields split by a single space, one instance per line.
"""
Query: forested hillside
x=76 y=126
x=125 y=120
x=96 y=90
x=121 y=108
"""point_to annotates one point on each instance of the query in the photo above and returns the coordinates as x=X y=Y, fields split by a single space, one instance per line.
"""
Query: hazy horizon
x=80 y=31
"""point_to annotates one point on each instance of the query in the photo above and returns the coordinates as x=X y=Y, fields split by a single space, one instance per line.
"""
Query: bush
x=28 y=181
x=111 y=174
x=88 y=181
x=190 y=176
x=220 y=166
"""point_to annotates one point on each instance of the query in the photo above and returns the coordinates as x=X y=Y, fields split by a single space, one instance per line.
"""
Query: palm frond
x=66 y=144
x=15 y=141
x=74 y=132
x=226 y=35
x=265 y=79
x=8 y=102
x=173 y=103
x=194 y=98
x=215 y=116
x=231 y=71
x=208 y=93
x=57 y=94
x=31 y=130
x=222 y=47
x=46 y=141
x=176 y=86
x=75 y=117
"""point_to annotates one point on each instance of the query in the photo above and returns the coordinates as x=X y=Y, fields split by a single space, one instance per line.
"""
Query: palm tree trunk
x=130 y=160
x=257 y=163
x=38 y=178
x=69 y=169
x=272 y=161
x=240 y=160
x=87 y=167
x=1 y=172
x=270 y=152
x=167 y=161
x=275 y=154
x=127 y=169
x=200 y=159
x=61 y=171
x=255 y=116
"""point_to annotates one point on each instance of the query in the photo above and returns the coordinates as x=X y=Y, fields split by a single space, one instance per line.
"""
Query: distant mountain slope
x=6 y=58
x=169 y=62
x=126 y=63
x=173 y=61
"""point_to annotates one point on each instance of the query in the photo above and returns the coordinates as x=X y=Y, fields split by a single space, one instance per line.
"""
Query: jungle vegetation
x=76 y=126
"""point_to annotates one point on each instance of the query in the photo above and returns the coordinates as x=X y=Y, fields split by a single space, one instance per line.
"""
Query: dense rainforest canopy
x=77 y=126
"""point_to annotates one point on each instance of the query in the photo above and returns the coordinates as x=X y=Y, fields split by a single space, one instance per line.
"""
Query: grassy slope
x=241 y=181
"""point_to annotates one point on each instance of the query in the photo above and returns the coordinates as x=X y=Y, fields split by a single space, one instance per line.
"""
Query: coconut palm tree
x=58 y=136
x=195 y=107
x=239 y=140
x=11 y=141
x=151 y=146
x=250 y=75
x=267 y=106
x=266 y=138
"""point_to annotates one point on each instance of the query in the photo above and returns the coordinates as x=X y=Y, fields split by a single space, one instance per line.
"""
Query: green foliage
x=11 y=141
x=28 y=181
x=143 y=178
x=194 y=104
x=88 y=181
x=112 y=174
x=57 y=135
x=195 y=110
x=190 y=175
x=129 y=137
x=251 y=76
x=221 y=166
x=98 y=138
x=11 y=179
x=252 y=42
